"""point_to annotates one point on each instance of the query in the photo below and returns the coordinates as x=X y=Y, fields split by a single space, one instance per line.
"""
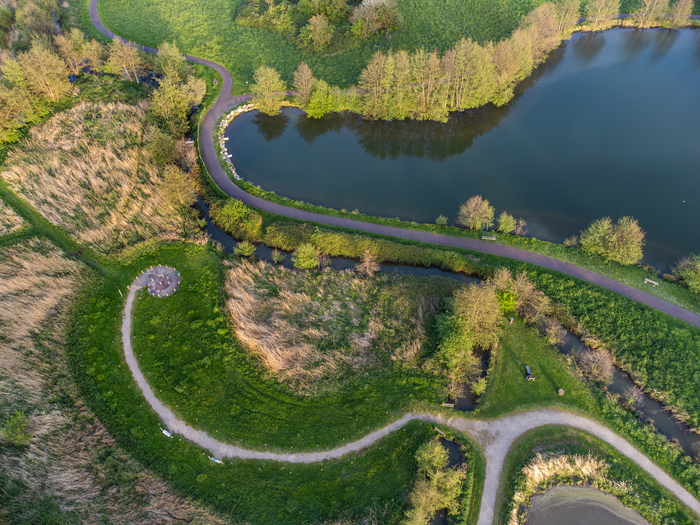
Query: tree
x=476 y=213
x=600 y=12
x=680 y=11
x=94 y=55
x=567 y=15
x=455 y=350
x=438 y=486
x=305 y=257
x=321 y=101
x=541 y=24
x=172 y=101
x=688 y=270
x=45 y=72
x=169 y=62
x=506 y=223
x=521 y=227
x=598 y=364
x=318 y=32
x=369 y=264
x=178 y=187
x=35 y=16
x=472 y=72
x=373 y=16
x=245 y=249
x=303 y=84
x=478 y=307
x=16 y=429
x=124 y=59
x=621 y=242
x=441 y=220
x=269 y=90
x=237 y=218
x=71 y=50
x=429 y=87
x=649 y=10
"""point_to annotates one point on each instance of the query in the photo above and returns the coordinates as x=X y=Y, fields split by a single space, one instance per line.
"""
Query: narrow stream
x=649 y=409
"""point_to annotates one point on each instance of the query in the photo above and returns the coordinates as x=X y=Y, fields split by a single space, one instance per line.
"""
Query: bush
x=15 y=429
x=688 y=270
x=245 y=249
x=305 y=257
x=238 y=219
x=441 y=220
x=621 y=242
x=476 y=214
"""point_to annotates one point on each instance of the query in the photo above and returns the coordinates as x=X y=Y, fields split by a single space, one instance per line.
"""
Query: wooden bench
x=488 y=237
x=451 y=405
x=649 y=281
x=436 y=429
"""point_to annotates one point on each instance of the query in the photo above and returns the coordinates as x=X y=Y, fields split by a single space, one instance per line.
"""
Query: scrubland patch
x=307 y=326
x=71 y=470
x=87 y=170
x=9 y=220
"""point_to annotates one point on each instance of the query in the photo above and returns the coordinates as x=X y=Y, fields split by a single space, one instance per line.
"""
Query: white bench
x=649 y=281
x=488 y=237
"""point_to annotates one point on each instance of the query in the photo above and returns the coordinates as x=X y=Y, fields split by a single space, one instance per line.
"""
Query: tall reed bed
x=9 y=220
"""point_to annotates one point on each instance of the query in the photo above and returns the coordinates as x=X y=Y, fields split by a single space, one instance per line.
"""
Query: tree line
x=426 y=86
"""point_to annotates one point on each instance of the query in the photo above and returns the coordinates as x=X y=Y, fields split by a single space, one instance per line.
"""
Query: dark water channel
x=608 y=126
x=575 y=505
x=649 y=409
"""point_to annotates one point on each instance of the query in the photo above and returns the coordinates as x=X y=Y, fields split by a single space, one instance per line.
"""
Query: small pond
x=575 y=505
x=608 y=126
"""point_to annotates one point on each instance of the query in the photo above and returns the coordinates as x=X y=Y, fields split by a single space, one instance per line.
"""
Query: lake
x=608 y=126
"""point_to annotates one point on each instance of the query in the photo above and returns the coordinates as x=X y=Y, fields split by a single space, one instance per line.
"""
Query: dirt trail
x=495 y=437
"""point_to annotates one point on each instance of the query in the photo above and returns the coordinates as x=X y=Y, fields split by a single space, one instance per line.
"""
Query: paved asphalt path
x=225 y=102
x=495 y=436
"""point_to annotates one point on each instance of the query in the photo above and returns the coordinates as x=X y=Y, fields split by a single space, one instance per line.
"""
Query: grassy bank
x=634 y=487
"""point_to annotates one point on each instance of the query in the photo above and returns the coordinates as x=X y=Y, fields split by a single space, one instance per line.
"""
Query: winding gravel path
x=225 y=102
x=495 y=437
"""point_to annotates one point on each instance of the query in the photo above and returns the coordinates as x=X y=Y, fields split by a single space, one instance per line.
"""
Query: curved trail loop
x=225 y=102
x=495 y=437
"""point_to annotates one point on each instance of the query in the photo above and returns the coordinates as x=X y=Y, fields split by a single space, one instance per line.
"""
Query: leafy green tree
x=456 y=352
x=169 y=62
x=173 y=99
x=621 y=242
x=16 y=429
x=160 y=145
x=318 y=33
x=245 y=249
x=437 y=487
x=238 y=219
x=647 y=11
x=441 y=220
x=600 y=12
x=479 y=386
x=321 y=101
x=478 y=308
x=688 y=270
x=506 y=223
x=269 y=90
x=70 y=47
x=476 y=214
x=680 y=11
x=305 y=257
x=277 y=256
x=94 y=53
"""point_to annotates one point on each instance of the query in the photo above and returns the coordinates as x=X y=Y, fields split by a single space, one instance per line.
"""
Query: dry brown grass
x=9 y=220
x=546 y=470
x=71 y=458
x=86 y=169
x=308 y=326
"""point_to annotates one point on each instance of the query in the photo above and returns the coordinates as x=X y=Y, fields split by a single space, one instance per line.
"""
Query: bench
x=436 y=429
x=488 y=237
x=649 y=281
x=167 y=434
x=451 y=405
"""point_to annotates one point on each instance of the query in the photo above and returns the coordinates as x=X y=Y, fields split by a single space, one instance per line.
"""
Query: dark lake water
x=608 y=126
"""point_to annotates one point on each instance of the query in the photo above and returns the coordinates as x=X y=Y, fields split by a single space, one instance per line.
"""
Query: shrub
x=15 y=430
x=598 y=364
x=506 y=223
x=476 y=214
x=621 y=242
x=305 y=257
x=245 y=249
x=572 y=241
x=441 y=220
x=238 y=219
x=688 y=270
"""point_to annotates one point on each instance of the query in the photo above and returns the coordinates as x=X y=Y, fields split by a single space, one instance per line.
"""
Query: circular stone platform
x=161 y=281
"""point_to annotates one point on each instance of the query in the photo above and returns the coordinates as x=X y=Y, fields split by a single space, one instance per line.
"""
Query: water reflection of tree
x=422 y=139
x=586 y=46
x=271 y=127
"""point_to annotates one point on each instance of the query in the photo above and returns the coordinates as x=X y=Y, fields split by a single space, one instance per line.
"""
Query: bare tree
x=598 y=364
x=94 y=54
x=680 y=11
x=369 y=265
x=45 y=72
x=600 y=12
x=71 y=49
x=634 y=397
x=553 y=331
x=649 y=10
x=567 y=15
x=521 y=227
x=476 y=213
x=303 y=84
